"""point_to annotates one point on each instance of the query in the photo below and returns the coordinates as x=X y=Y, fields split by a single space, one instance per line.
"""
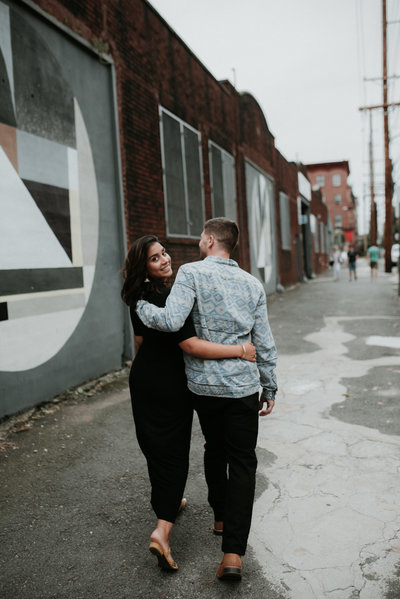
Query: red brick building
x=164 y=91
x=331 y=179
x=110 y=129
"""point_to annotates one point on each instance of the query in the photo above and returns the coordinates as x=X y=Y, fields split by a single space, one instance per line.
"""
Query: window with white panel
x=314 y=231
x=284 y=211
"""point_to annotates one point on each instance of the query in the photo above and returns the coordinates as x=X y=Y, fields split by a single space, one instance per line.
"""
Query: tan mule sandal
x=165 y=560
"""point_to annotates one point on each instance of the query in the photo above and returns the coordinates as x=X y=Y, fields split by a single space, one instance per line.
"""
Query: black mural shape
x=43 y=99
x=53 y=202
x=3 y=311
x=7 y=115
x=34 y=280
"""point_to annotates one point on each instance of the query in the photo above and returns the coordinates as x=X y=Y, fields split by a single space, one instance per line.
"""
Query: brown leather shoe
x=230 y=568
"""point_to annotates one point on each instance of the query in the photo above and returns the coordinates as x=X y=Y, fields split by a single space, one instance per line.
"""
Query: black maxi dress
x=162 y=409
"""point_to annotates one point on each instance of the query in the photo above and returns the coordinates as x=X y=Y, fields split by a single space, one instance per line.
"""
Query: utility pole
x=388 y=168
x=373 y=221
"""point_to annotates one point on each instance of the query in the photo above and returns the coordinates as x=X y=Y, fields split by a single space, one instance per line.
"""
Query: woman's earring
x=147 y=280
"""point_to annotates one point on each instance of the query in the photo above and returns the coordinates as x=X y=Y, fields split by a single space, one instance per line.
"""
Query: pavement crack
x=341 y=589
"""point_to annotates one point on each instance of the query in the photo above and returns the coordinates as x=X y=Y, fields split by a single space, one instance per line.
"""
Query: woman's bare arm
x=200 y=348
x=137 y=343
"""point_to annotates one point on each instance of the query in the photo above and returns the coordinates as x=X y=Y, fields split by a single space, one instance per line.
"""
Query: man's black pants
x=230 y=428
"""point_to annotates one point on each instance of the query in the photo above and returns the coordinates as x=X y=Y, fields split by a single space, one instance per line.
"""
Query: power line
x=380 y=78
x=385 y=105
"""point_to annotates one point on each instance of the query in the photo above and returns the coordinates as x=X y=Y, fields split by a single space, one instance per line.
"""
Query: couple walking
x=216 y=313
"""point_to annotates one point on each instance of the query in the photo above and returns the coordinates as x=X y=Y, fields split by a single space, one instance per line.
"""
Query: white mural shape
x=260 y=196
x=31 y=244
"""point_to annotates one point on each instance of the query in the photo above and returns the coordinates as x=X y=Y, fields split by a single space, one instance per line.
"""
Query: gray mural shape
x=7 y=115
x=44 y=102
x=48 y=200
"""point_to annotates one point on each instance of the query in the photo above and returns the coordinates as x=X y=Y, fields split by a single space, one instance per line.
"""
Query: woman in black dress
x=161 y=401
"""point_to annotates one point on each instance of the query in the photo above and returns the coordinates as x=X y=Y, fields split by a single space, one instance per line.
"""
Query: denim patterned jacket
x=228 y=306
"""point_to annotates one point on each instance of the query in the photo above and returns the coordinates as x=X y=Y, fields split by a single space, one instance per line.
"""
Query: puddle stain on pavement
x=328 y=522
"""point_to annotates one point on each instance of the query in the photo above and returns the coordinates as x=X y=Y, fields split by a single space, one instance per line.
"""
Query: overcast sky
x=304 y=61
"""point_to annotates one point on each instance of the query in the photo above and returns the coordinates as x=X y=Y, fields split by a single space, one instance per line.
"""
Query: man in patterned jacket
x=228 y=305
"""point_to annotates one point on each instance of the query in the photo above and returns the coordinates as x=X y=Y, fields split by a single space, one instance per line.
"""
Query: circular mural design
x=48 y=201
x=260 y=223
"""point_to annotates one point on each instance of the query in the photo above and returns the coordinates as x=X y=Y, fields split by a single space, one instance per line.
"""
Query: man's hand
x=251 y=353
x=266 y=406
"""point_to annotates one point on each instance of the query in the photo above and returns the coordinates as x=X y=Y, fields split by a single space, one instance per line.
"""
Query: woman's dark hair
x=135 y=271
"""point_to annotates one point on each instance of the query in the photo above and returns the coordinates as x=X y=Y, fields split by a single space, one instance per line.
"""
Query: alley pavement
x=74 y=500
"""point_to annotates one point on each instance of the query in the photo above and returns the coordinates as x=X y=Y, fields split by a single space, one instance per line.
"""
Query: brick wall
x=320 y=211
x=154 y=67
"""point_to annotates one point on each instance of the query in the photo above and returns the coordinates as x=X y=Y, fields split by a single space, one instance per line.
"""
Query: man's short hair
x=225 y=231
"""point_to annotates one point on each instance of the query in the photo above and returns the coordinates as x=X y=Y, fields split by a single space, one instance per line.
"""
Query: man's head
x=219 y=237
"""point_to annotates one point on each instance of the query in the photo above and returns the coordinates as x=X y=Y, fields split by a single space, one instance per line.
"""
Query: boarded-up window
x=182 y=170
x=322 y=237
x=314 y=231
x=223 y=189
x=284 y=211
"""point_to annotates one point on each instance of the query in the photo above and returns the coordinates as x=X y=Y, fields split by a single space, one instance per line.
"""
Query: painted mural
x=260 y=206
x=49 y=209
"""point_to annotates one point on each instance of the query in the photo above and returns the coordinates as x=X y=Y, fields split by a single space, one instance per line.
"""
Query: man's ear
x=211 y=241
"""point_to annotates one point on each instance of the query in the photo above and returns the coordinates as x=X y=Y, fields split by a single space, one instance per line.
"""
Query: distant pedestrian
x=343 y=254
x=336 y=256
x=373 y=255
x=352 y=256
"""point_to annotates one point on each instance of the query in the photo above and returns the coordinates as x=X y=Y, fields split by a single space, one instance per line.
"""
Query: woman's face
x=158 y=262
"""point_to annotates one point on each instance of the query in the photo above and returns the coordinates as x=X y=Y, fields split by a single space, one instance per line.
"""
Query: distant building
x=331 y=179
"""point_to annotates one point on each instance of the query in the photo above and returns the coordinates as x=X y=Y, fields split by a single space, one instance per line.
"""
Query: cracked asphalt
x=74 y=502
